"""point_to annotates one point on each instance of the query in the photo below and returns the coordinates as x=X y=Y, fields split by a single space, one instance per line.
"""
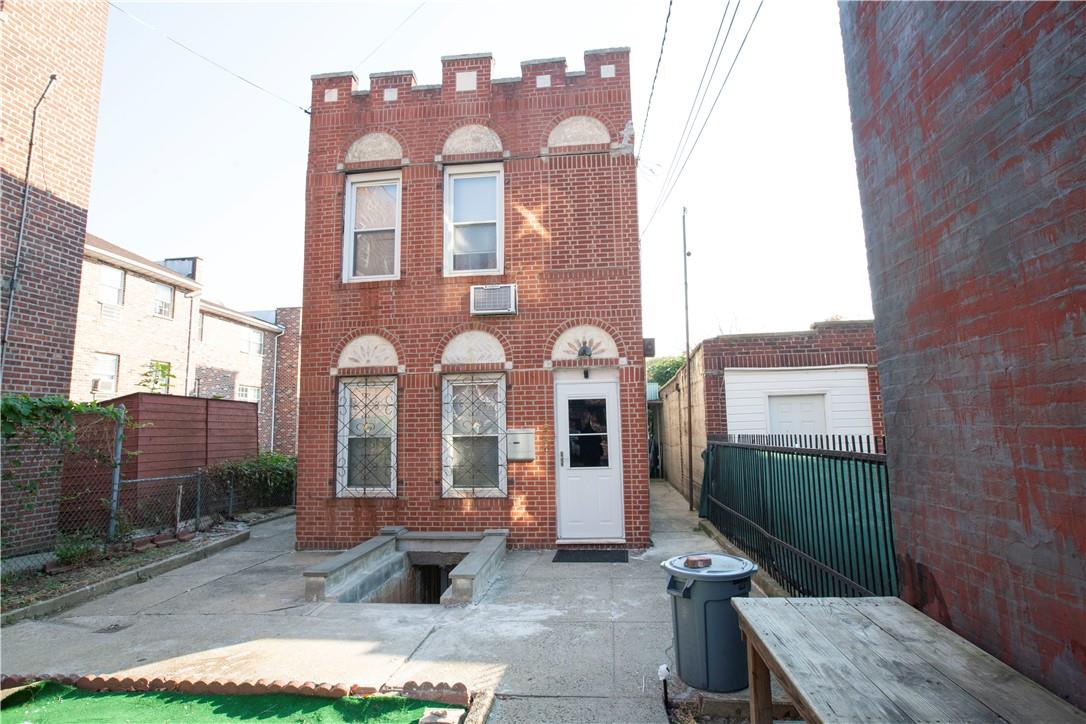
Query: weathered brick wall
x=570 y=244
x=679 y=468
x=38 y=348
x=135 y=334
x=38 y=354
x=286 y=380
x=971 y=154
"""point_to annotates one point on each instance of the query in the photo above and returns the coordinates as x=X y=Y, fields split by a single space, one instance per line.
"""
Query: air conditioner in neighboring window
x=494 y=299
x=99 y=386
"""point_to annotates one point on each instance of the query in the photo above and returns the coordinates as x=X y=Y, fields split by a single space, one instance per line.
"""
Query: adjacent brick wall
x=971 y=155
x=826 y=343
x=286 y=380
x=40 y=38
x=570 y=243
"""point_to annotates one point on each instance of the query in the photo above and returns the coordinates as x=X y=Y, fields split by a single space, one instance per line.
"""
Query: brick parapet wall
x=570 y=245
x=971 y=164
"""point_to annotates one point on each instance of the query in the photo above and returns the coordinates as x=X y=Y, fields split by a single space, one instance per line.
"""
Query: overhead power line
x=665 y=192
x=389 y=35
x=206 y=59
x=652 y=90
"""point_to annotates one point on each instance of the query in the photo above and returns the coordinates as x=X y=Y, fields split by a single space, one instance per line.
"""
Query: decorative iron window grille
x=473 y=455
x=366 y=437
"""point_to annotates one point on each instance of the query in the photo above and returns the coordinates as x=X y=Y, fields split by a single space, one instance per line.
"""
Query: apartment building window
x=474 y=213
x=248 y=393
x=473 y=435
x=371 y=249
x=252 y=341
x=366 y=437
x=104 y=375
x=110 y=285
x=163 y=302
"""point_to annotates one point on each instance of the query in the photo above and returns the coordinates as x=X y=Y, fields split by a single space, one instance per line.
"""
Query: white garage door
x=797 y=414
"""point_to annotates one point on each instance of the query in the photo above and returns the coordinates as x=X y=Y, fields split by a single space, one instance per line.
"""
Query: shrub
x=264 y=480
x=77 y=548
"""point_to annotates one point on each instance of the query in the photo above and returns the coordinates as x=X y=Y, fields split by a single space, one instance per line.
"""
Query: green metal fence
x=818 y=520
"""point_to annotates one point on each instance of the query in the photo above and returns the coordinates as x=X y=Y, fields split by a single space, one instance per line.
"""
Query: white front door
x=797 y=414
x=589 y=447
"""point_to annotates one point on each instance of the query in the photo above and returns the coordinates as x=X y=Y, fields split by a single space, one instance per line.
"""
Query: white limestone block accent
x=607 y=71
x=375 y=146
x=331 y=95
x=543 y=81
x=466 y=80
x=391 y=94
x=471 y=139
x=584 y=337
x=369 y=350
x=578 y=131
x=473 y=347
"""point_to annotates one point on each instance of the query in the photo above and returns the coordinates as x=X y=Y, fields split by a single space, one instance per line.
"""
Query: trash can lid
x=721 y=567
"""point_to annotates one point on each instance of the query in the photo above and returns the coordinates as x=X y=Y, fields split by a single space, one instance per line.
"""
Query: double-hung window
x=473 y=435
x=248 y=393
x=366 y=437
x=163 y=303
x=252 y=341
x=111 y=285
x=371 y=246
x=474 y=219
x=104 y=375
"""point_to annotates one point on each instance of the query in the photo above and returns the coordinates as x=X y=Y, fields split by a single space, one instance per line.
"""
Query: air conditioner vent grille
x=494 y=299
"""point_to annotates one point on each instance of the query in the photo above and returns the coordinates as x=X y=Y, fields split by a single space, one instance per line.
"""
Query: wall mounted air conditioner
x=494 y=299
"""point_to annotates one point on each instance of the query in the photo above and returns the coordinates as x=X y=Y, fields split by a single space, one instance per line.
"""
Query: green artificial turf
x=51 y=703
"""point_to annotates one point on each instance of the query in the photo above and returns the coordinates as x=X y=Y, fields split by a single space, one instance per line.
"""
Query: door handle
x=562 y=457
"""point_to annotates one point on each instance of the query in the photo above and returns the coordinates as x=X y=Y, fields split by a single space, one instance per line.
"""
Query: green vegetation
x=663 y=369
x=71 y=549
x=264 y=480
x=59 y=704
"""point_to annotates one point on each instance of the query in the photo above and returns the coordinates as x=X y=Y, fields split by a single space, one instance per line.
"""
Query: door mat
x=591 y=555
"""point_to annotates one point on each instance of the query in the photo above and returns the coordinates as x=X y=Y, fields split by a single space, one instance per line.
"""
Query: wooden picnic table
x=881 y=660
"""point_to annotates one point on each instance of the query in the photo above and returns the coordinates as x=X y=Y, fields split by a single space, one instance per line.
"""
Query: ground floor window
x=473 y=435
x=366 y=437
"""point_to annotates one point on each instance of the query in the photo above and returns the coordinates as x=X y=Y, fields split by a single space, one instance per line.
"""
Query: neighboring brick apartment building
x=822 y=381
x=971 y=155
x=38 y=301
x=416 y=411
x=134 y=312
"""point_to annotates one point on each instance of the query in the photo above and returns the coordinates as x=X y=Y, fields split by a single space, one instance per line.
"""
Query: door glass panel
x=588 y=433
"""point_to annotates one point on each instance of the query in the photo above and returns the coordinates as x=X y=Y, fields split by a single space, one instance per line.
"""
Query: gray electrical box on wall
x=521 y=444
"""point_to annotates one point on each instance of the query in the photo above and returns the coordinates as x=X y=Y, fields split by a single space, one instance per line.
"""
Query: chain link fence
x=68 y=504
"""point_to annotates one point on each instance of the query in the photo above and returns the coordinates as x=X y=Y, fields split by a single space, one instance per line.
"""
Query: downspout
x=191 y=296
x=22 y=230
x=275 y=376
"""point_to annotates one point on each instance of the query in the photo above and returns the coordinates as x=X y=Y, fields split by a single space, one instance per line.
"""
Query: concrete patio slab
x=564 y=642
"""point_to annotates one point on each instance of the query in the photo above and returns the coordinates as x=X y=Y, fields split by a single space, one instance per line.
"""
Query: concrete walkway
x=558 y=642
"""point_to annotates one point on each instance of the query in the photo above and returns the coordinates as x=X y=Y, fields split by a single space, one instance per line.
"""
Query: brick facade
x=826 y=344
x=285 y=383
x=38 y=344
x=971 y=156
x=571 y=246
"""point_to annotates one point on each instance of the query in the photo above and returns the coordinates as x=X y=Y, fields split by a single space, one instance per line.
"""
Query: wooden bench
x=881 y=660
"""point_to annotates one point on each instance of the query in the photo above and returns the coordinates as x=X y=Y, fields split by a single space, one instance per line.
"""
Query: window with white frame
x=110 y=285
x=371 y=246
x=163 y=301
x=252 y=341
x=473 y=435
x=366 y=437
x=474 y=213
x=104 y=375
x=248 y=393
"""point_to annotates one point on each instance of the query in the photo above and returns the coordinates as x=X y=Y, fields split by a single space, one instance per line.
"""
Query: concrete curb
x=481 y=704
x=763 y=580
x=128 y=578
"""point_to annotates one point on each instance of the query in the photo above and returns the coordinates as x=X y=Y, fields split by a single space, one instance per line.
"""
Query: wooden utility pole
x=689 y=378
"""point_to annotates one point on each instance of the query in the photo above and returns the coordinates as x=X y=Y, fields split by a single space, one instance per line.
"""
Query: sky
x=192 y=161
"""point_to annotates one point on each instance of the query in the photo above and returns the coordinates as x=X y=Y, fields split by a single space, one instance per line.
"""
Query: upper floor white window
x=371 y=245
x=110 y=285
x=474 y=218
x=252 y=341
x=163 y=300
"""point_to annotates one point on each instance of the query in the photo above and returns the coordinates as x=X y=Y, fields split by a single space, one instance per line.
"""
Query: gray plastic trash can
x=709 y=650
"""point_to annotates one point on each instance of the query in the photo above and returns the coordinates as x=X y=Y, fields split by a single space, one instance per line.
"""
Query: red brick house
x=471 y=344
